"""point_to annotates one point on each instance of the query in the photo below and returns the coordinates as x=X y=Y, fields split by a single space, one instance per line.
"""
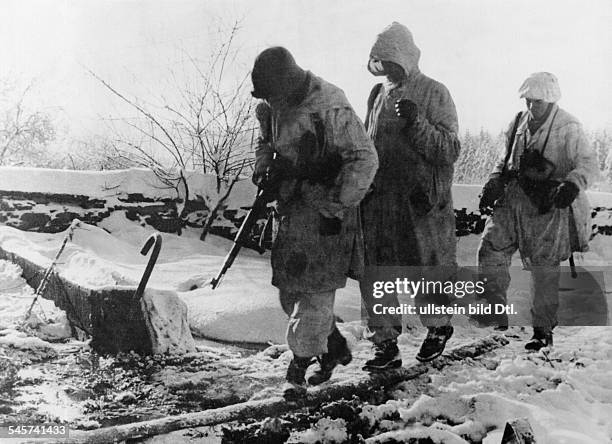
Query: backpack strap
x=549 y=130
x=511 y=141
x=373 y=94
x=319 y=128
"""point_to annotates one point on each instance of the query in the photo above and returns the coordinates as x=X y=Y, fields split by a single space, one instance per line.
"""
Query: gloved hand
x=262 y=165
x=269 y=174
x=329 y=226
x=565 y=194
x=258 y=178
x=493 y=190
x=263 y=113
x=407 y=110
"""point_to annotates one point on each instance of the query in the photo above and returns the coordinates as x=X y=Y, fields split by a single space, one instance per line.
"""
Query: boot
x=541 y=338
x=386 y=356
x=499 y=320
x=295 y=387
x=434 y=343
x=337 y=353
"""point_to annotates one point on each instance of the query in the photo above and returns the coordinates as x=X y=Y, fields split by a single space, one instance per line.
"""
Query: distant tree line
x=209 y=129
x=481 y=151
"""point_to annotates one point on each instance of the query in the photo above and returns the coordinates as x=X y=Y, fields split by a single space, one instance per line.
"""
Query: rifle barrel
x=239 y=239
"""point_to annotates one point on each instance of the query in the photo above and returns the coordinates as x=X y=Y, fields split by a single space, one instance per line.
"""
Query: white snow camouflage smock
x=543 y=239
x=409 y=218
x=568 y=149
x=303 y=260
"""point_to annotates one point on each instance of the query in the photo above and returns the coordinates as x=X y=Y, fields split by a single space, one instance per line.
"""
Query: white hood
x=395 y=44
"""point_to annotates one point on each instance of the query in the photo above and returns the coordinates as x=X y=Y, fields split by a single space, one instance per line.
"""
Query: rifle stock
x=258 y=205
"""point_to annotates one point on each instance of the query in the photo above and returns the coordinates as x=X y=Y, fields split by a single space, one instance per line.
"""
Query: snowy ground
x=44 y=375
x=565 y=392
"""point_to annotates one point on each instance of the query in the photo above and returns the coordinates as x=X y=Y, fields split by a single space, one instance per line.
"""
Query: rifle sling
x=511 y=142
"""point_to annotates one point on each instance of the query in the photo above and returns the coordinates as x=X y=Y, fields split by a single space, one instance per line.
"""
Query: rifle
x=259 y=205
x=323 y=171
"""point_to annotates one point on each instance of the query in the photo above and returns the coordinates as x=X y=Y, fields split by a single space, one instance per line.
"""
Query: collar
x=534 y=124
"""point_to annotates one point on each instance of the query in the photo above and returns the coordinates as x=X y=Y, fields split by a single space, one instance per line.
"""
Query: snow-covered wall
x=113 y=184
x=46 y=200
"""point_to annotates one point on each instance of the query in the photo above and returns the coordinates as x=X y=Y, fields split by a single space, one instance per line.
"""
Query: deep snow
x=564 y=392
x=245 y=307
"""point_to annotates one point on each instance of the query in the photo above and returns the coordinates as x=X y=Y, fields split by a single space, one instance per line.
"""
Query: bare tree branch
x=206 y=124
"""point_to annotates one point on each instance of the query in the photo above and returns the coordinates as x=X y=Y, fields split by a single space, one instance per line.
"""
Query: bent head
x=276 y=75
x=540 y=90
x=394 y=53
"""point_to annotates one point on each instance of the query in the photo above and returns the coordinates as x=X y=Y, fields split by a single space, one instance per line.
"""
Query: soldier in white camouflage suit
x=408 y=219
x=537 y=192
x=315 y=153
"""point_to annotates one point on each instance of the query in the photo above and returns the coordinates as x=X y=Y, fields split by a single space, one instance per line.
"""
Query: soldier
x=315 y=154
x=540 y=208
x=408 y=219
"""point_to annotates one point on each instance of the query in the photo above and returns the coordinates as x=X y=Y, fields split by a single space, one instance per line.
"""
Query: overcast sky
x=480 y=49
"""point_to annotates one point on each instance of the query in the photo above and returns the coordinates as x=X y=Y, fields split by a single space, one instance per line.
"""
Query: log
x=276 y=406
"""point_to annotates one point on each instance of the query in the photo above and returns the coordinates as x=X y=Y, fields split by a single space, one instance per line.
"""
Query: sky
x=481 y=50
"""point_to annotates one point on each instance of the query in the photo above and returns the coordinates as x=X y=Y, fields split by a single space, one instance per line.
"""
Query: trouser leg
x=545 y=296
x=494 y=270
x=311 y=321
x=382 y=326
x=497 y=245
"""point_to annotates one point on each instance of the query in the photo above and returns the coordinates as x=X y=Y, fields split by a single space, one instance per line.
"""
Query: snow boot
x=337 y=353
x=386 y=356
x=541 y=338
x=434 y=343
x=499 y=320
x=295 y=387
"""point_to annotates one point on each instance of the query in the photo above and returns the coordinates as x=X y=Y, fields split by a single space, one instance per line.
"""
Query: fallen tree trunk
x=276 y=406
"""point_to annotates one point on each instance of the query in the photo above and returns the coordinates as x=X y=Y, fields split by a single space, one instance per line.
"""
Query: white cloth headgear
x=541 y=86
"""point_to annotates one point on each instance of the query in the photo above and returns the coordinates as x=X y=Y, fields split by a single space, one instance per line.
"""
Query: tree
x=24 y=133
x=205 y=126
x=479 y=154
x=93 y=152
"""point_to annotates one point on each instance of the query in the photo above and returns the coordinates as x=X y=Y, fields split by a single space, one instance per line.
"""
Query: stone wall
x=52 y=213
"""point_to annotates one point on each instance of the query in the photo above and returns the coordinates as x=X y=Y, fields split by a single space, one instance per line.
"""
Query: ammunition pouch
x=314 y=163
x=534 y=178
x=323 y=171
x=269 y=230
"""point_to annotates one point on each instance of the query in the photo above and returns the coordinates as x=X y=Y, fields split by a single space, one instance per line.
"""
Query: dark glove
x=493 y=190
x=262 y=167
x=407 y=110
x=263 y=113
x=268 y=175
x=565 y=194
x=258 y=179
x=329 y=226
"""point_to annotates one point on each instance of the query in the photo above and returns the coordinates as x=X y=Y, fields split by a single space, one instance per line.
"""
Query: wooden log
x=276 y=406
